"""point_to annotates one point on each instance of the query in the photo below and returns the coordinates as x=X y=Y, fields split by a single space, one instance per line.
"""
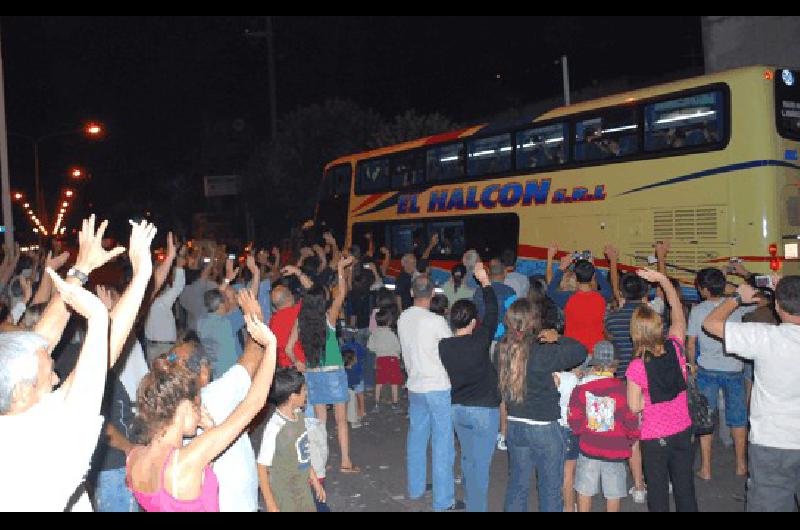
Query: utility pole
x=5 y=167
x=567 y=89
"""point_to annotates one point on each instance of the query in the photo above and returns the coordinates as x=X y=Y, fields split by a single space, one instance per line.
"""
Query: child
x=386 y=345
x=352 y=366
x=607 y=429
x=284 y=464
x=357 y=375
x=566 y=383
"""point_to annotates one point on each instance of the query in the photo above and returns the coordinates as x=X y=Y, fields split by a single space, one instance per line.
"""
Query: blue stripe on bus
x=713 y=172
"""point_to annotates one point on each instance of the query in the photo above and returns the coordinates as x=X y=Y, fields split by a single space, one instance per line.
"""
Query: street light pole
x=5 y=167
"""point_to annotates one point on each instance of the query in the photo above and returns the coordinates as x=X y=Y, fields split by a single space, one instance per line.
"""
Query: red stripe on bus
x=369 y=202
x=447 y=137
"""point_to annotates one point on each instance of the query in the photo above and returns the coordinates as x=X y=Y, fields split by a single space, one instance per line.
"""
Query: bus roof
x=622 y=98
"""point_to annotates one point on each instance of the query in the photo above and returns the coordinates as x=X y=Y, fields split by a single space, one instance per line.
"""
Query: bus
x=711 y=164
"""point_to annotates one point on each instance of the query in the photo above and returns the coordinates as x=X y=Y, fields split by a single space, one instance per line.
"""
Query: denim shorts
x=732 y=386
x=327 y=388
x=571 y=444
x=592 y=474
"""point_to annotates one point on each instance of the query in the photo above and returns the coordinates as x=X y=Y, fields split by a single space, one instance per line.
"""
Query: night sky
x=159 y=82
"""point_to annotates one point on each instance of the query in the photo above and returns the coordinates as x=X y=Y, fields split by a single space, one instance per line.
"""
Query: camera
x=586 y=255
x=764 y=283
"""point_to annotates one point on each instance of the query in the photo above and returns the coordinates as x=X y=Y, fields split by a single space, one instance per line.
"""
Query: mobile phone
x=764 y=282
x=206 y=261
x=232 y=257
x=652 y=260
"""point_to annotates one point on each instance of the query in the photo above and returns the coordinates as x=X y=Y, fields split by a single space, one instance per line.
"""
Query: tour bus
x=709 y=164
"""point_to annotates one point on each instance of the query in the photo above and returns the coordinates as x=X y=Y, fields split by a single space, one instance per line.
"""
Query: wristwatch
x=78 y=275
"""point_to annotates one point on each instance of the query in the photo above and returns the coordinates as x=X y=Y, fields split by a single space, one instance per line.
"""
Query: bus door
x=334 y=203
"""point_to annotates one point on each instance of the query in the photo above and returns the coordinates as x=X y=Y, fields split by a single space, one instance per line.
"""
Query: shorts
x=388 y=371
x=592 y=475
x=733 y=388
x=571 y=444
x=327 y=388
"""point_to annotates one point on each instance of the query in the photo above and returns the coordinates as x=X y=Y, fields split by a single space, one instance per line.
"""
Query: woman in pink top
x=657 y=388
x=167 y=477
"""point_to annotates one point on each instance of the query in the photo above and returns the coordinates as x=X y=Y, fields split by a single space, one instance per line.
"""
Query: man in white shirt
x=775 y=412
x=519 y=282
x=430 y=411
x=160 y=329
x=48 y=437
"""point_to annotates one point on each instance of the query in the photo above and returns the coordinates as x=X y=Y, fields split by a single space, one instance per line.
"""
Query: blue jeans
x=710 y=382
x=477 y=430
x=431 y=414
x=539 y=448
x=112 y=494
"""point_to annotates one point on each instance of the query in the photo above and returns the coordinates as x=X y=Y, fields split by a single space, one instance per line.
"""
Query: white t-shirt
x=775 y=411
x=132 y=370
x=384 y=343
x=45 y=454
x=420 y=333
x=236 y=468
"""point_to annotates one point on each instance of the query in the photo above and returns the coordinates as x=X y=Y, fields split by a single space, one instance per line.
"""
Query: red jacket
x=600 y=417
x=585 y=319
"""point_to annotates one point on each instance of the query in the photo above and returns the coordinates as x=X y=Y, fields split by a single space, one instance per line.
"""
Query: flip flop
x=350 y=470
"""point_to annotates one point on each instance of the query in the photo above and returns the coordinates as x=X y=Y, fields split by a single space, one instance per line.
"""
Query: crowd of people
x=204 y=382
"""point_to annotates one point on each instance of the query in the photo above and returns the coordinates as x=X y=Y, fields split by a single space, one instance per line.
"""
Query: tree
x=411 y=126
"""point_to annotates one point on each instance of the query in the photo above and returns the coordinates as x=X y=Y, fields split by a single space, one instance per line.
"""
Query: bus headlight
x=788 y=78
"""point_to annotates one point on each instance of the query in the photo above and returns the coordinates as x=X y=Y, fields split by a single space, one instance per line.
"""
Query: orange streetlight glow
x=77 y=173
x=18 y=196
x=65 y=205
x=69 y=193
x=94 y=129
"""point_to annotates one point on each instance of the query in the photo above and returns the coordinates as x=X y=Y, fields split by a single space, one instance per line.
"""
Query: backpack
x=703 y=416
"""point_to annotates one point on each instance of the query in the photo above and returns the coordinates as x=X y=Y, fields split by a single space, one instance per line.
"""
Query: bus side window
x=612 y=135
x=373 y=176
x=543 y=147
x=446 y=163
x=694 y=121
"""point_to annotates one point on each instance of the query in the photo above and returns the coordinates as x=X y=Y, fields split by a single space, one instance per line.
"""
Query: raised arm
x=716 y=321
x=612 y=253
x=341 y=293
x=552 y=252
x=207 y=447
x=431 y=246
x=386 y=263
x=10 y=263
x=162 y=271
x=488 y=328
x=305 y=281
x=255 y=281
x=91 y=256
x=127 y=309
x=84 y=389
x=253 y=353
x=370 y=245
x=678 y=329
x=45 y=291
x=336 y=253
x=662 y=252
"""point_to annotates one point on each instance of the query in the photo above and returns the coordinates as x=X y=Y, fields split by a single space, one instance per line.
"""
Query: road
x=379 y=449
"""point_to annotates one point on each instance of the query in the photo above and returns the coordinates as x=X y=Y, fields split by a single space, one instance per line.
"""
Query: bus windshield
x=788 y=101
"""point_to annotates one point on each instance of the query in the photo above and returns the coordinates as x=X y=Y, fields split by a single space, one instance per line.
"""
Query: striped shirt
x=618 y=325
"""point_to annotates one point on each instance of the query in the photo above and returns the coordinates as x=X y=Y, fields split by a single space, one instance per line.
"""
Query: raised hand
x=552 y=252
x=92 y=255
x=142 y=236
x=481 y=275
x=749 y=294
x=249 y=304
x=662 y=249
x=172 y=249
x=345 y=263
x=57 y=262
x=566 y=262
x=27 y=289
x=612 y=253
x=82 y=301
x=651 y=276
x=260 y=332
x=291 y=270
x=252 y=266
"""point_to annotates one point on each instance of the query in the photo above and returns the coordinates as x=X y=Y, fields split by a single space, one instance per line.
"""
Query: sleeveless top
x=163 y=502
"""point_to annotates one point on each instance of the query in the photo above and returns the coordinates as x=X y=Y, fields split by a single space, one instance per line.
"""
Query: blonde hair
x=647 y=333
x=523 y=323
x=569 y=283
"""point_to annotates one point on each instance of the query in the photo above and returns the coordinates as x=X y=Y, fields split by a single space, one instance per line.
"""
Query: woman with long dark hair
x=456 y=289
x=325 y=375
x=528 y=356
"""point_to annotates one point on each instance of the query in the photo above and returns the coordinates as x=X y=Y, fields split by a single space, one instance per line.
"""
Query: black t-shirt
x=542 y=398
x=404 y=281
x=118 y=411
x=468 y=361
x=361 y=307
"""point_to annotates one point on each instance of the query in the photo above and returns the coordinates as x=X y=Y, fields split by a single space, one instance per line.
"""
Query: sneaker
x=457 y=507
x=356 y=425
x=501 y=443
x=639 y=496
x=396 y=407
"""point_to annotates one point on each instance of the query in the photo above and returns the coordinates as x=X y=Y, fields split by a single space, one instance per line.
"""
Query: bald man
x=283 y=320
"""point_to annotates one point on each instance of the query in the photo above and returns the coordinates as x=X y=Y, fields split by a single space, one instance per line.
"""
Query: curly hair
x=523 y=322
x=313 y=326
x=160 y=394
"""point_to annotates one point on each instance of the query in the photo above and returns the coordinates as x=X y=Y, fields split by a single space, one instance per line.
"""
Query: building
x=736 y=41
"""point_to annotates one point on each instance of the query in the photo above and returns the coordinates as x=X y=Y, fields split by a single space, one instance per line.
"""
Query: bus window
x=542 y=148
x=609 y=136
x=373 y=176
x=408 y=170
x=337 y=182
x=380 y=235
x=788 y=100
x=694 y=121
x=452 y=242
x=490 y=156
x=408 y=239
x=446 y=162
x=490 y=235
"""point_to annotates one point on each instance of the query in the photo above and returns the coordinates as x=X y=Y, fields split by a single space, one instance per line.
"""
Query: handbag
x=703 y=416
